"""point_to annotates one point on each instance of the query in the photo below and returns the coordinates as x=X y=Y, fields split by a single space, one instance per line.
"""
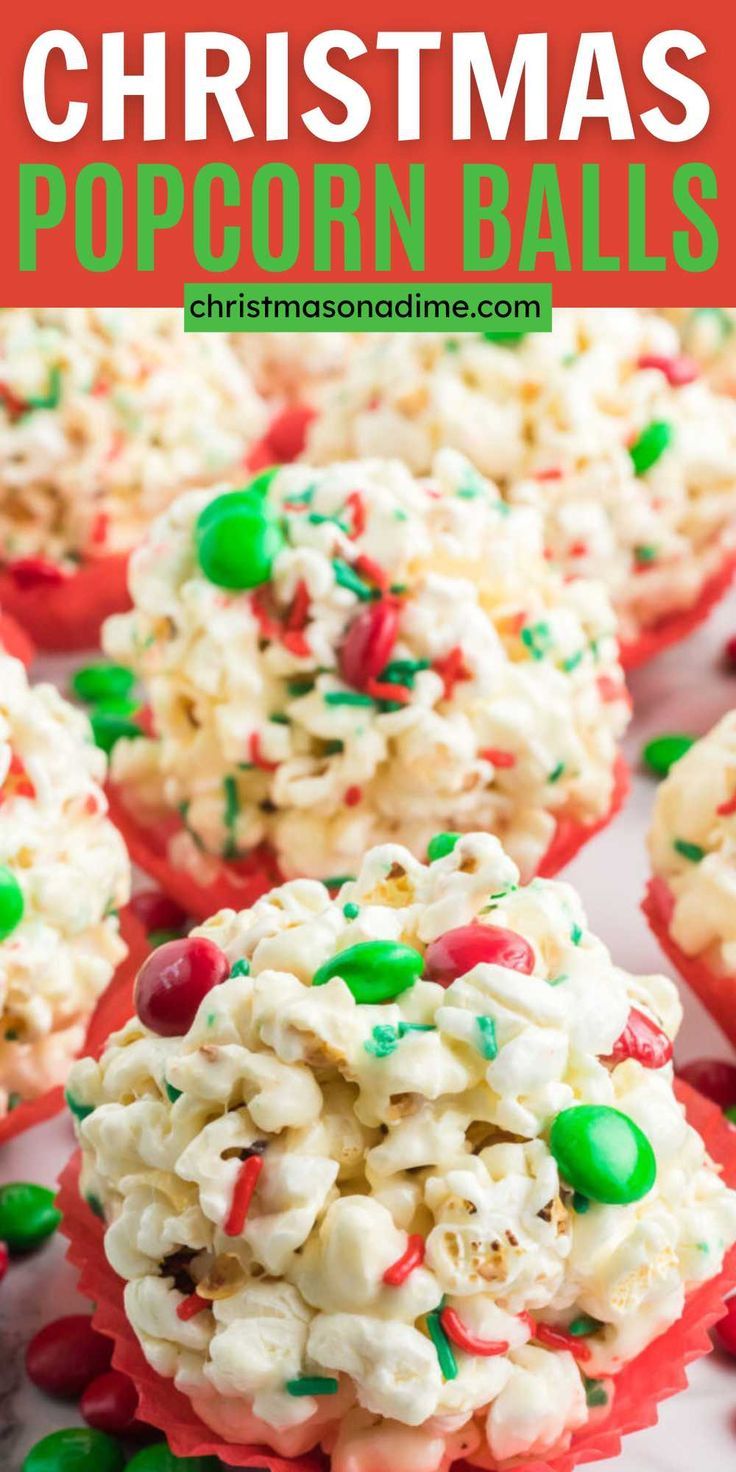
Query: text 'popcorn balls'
x=414 y=1182
x=105 y=414
x=600 y=424
x=340 y=656
x=64 y=874
x=691 y=901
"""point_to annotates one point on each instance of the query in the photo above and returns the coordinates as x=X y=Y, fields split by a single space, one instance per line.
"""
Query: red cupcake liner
x=113 y=1009
x=716 y=990
x=64 y=611
x=238 y=885
x=653 y=1376
x=15 y=641
x=676 y=626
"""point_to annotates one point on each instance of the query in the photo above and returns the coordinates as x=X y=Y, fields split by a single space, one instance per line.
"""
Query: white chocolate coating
x=375 y=1121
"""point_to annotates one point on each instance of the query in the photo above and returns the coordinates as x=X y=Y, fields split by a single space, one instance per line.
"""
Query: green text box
x=396 y=306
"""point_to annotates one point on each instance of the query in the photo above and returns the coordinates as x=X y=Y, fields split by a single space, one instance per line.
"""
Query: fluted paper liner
x=654 y=1375
x=114 y=1007
x=68 y=614
x=716 y=990
x=238 y=885
x=675 y=627
x=15 y=641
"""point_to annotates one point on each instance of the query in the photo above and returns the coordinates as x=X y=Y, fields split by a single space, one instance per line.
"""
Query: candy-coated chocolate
x=367 y=646
x=726 y=1328
x=109 y=1402
x=650 y=445
x=375 y=970
x=643 y=1040
x=12 y=903
x=28 y=1215
x=109 y=727
x=156 y=911
x=173 y=980
x=441 y=844
x=237 y=538
x=713 y=1077
x=76 y=1449
x=4 y=1259
x=663 y=751
x=729 y=652
x=159 y=1459
x=102 y=681
x=603 y=1154
x=65 y=1355
x=262 y=482
x=458 y=951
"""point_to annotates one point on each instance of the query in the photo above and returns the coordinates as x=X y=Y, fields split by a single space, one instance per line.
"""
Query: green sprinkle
x=584 y=1324
x=14 y=1100
x=347 y=578
x=351 y=911
x=441 y=844
x=576 y=934
x=650 y=445
x=487 y=1045
x=383 y=1041
x=595 y=1393
x=556 y=772
x=312 y=1385
x=299 y=687
x=51 y=398
x=241 y=967
x=447 y=1361
x=232 y=808
x=645 y=554
x=580 y=1203
x=303 y=498
x=172 y=1094
x=662 y=753
x=158 y=938
x=572 y=662
x=403 y=671
x=279 y=719
x=405 y=1027
x=557 y=980
x=79 y=1110
x=12 y=1035
x=95 y=1206
x=347 y=697
x=336 y=881
x=730 y=1113
x=537 y=638
x=691 y=851
x=319 y=518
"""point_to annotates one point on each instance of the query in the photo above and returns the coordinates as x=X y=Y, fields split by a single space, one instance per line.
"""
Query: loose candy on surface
x=66 y=1355
x=238 y=538
x=663 y=751
x=602 y=1154
x=12 y=903
x=375 y=971
x=713 y=1077
x=173 y=980
x=110 y=1402
x=458 y=951
x=158 y=1458
x=28 y=1215
x=642 y=1040
x=75 y=1449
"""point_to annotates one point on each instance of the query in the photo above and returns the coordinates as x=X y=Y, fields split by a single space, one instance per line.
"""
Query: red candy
x=457 y=951
x=367 y=646
x=643 y=1040
x=64 y=1356
x=729 y=651
x=287 y=432
x=4 y=1260
x=726 y=1329
x=712 y=1077
x=677 y=370
x=110 y=1402
x=173 y=980
x=36 y=572
x=157 y=912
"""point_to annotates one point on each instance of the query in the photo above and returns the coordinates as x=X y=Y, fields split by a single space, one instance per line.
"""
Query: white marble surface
x=685 y=690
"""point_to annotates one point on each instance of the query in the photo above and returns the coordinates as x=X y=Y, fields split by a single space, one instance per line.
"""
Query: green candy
x=102 y=681
x=650 y=445
x=602 y=1154
x=28 y=1215
x=504 y=338
x=237 y=537
x=76 y=1449
x=375 y=971
x=261 y=483
x=441 y=844
x=108 y=728
x=662 y=753
x=12 y=903
x=159 y=1459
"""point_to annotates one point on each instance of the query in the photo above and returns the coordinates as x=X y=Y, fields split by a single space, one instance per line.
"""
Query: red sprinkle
x=451 y=670
x=725 y=809
x=579 y=549
x=356 y=506
x=267 y=624
x=296 y=642
x=553 y=472
x=13 y=405
x=559 y=1339
x=460 y=1335
x=384 y=690
x=499 y=758
x=413 y=1258
x=299 y=611
x=99 y=529
x=353 y=796
x=287 y=432
x=17 y=782
x=610 y=689
x=642 y=1040
x=372 y=571
x=677 y=370
x=191 y=1306
x=256 y=755
x=245 y=1185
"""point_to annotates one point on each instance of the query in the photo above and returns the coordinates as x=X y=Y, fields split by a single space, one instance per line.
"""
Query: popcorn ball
x=293 y=365
x=602 y=424
x=105 y=414
x=692 y=847
x=339 y=656
x=64 y=873
x=399 y=1174
x=707 y=334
